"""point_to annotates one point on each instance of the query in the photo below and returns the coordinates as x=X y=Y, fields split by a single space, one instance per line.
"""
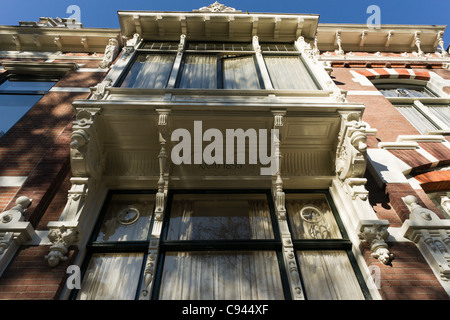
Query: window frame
x=274 y=244
x=94 y=247
x=343 y=244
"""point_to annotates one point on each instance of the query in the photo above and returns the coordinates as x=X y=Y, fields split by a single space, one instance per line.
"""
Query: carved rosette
x=217 y=7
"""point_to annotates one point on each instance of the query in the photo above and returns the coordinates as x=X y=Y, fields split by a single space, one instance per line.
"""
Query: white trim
x=91 y=70
x=8 y=181
x=70 y=89
x=426 y=154
x=364 y=93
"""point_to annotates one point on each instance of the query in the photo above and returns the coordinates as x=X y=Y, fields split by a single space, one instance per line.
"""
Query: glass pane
x=240 y=73
x=443 y=113
x=219 y=217
x=150 y=71
x=416 y=118
x=111 y=276
x=418 y=92
x=225 y=46
x=199 y=72
x=310 y=217
x=14 y=107
x=289 y=73
x=328 y=275
x=221 y=276
x=26 y=86
x=127 y=218
x=277 y=47
x=161 y=45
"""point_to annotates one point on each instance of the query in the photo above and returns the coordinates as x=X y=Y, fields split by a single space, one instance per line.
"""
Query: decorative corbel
x=351 y=158
x=16 y=41
x=440 y=41
x=62 y=234
x=98 y=92
x=111 y=52
x=131 y=45
x=431 y=235
x=85 y=149
x=338 y=42
x=375 y=235
x=416 y=41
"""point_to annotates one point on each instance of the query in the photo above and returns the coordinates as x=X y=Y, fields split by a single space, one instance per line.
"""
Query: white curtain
x=287 y=72
x=416 y=118
x=219 y=220
x=443 y=113
x=221 y=276
x=328 y=275
x=199 y=72
x=150 y=71
x=111 y=276
x=322 y=227
x=240 y=73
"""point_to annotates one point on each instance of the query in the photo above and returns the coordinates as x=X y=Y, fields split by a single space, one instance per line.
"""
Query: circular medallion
x=128 y=215
x=311 y=214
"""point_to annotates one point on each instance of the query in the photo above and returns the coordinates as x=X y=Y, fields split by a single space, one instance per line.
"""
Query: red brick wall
x=409 y=277
x=29 y=277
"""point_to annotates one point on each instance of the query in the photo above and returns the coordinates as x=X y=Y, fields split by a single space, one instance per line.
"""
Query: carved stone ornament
x=352 y=150
x=375 y=235
x=217 y=7
x=431 y=234
x=12 y=224
x=111 y=52
x=62 y=237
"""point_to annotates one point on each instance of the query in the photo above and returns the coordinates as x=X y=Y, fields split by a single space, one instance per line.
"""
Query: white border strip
x=8 y=181
x=70 y=89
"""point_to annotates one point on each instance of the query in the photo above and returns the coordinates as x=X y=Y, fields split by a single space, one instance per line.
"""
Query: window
x=221 y=246
x=210 y=65
x=421 y=106
x=17 y=96
x=118 y=248
x=323 y=249
x=218 y=245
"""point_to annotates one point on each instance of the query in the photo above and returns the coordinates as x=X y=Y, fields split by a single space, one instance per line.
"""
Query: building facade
x=221 y=154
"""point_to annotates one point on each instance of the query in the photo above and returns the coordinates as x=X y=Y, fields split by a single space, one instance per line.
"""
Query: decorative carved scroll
x=375 y=235
x=62 y=237
x=111 y=52
x=217 y=7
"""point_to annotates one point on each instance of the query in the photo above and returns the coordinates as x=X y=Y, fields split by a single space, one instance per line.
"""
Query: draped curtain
x=186 y=224
x=111 y=276
x=150 y=71
x=240 y=73
x=221 y=276
x=199 y=72
x=328 y=275
x=416 y=118
x=287 y=72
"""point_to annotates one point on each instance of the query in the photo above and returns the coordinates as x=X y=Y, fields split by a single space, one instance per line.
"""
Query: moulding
x=39 y=68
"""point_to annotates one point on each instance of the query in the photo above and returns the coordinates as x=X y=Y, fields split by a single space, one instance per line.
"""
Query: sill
x=425 y=100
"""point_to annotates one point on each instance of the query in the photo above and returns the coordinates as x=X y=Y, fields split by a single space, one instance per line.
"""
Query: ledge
x=39 y=68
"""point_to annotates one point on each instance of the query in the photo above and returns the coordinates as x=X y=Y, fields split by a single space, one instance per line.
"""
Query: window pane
x=161 y=45
x=221 y=276
x=225 y=46
x=310 y=217
x=328 y=275
x=219 y=217
x=111 y=276
x=18 y=86
x=277 y=47
x=14 y=107
x=404 y=92
x=127 y=218
x=443 y=113
x=150 y=71
x=416 y=118
x=240 y=73
x=199 y=72
x=289 y=73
